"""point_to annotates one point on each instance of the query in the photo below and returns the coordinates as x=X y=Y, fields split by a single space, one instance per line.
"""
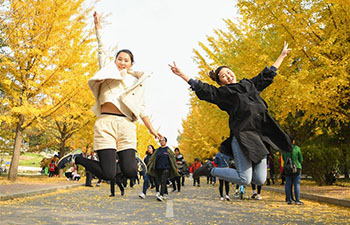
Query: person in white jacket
x=119 y=95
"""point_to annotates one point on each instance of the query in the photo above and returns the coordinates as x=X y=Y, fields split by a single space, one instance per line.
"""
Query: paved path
x=194 y=205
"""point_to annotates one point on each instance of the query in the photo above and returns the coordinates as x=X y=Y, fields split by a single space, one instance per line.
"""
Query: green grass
x=27 y=159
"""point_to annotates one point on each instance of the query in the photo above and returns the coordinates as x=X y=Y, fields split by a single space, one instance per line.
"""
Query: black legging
x=117 y=180
x=221 y=187
x=259 y=188
x=105 y=168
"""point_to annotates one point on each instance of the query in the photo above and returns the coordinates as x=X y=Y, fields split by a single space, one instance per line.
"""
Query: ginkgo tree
x=48 y=52
x=313 y=81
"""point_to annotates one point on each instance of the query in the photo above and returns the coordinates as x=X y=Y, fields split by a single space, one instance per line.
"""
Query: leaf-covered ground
x=194 y=205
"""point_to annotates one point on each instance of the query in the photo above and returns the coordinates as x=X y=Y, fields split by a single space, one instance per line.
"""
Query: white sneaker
x=160 y=198
x=157 y=194
x=142 y=195
x=222 y=199
x=258 y=197
x=228 y=198
x=165 y=196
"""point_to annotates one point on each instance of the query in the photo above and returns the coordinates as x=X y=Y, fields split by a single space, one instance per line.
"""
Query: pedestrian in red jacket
x=194 y=167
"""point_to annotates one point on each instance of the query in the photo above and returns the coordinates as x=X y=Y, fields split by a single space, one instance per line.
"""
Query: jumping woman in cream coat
x=119 y=95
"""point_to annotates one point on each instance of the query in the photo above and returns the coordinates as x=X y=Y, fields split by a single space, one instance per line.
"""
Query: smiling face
x=226 y=76
x=162 y=142
x=123 y=61
x=150 y=150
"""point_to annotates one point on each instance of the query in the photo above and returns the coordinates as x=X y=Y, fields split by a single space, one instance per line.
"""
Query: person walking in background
x=293 y=177
x=250 y=124
x=196 y=165
x=147 y=177
x=270 y=170
x=223 y=161
x=281 y=162
x=211 y=179
x=52 y=168
x=162 y=164
x=181 y=165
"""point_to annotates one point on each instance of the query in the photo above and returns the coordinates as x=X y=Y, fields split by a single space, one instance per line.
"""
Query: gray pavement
x=194 y=205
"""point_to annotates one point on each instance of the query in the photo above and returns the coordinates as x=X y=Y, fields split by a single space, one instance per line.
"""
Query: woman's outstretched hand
x=175 y=69
x=178 y=72
x=97 y=20
x=285 y=50
x=283 y=54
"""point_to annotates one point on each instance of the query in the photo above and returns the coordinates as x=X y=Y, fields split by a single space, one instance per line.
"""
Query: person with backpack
x=292 y=171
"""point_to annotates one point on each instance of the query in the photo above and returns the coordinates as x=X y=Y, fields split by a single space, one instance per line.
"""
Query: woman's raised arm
x=283 y=54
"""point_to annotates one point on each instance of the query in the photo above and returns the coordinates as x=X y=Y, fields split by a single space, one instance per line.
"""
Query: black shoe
x=69 y=158
x=203 y=170
x=173 y=190
x=111 y=195
x=122 y=192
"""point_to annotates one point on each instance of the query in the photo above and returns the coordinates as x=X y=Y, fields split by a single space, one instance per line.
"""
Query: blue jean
x=246 y=171
x=293 y=179
x=145 y=183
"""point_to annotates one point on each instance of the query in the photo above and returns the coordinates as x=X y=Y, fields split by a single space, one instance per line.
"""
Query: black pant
x=221 y=187
x=163 y=175
x=88 y=179
x=196 y=180
x=117 y=180
x=177 y=182
x=105 y=168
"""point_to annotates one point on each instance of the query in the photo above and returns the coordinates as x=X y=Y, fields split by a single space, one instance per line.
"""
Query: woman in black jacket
x=251 y=127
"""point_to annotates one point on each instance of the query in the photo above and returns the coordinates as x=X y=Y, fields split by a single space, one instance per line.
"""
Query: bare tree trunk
x=16 y=150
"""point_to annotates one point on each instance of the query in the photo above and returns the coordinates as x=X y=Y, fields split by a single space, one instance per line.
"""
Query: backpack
x=289 y=167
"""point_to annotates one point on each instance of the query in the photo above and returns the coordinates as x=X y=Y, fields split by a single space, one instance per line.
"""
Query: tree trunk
x=16 y=150
x=345 y=152
x=62 y=148
x=62 y=151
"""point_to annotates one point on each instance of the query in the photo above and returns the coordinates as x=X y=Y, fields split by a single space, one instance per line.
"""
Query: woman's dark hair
x=151 y=147
x=214 y=75
x=127 y=52
x=176 y=149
